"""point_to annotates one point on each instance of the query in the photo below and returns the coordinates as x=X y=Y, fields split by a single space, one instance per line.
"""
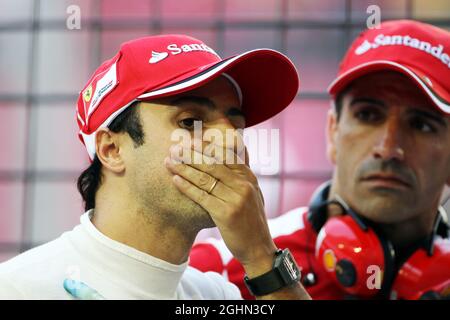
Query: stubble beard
x=384 y=206
x=172 y=208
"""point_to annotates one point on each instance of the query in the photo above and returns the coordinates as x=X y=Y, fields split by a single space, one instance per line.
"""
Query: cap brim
x=438 y=95
x=268 y=81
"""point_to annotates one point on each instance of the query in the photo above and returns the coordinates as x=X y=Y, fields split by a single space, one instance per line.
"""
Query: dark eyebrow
x=430 y=115
x=205 y=102
x=367 y=100
x=235 y=112
x=194 y=99
x=417 y=111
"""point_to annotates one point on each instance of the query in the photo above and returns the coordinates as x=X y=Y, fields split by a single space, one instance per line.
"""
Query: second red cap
x=418 y=50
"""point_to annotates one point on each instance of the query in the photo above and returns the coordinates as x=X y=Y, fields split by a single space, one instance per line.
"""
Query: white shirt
x=114 y=270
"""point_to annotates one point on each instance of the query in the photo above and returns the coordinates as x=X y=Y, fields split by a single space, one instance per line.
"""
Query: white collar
x=144 y=273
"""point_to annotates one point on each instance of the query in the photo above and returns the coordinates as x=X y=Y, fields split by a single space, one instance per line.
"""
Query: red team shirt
x=291 y=230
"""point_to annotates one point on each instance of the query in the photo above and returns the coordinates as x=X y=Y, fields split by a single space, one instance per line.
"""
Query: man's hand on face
x=235 y=202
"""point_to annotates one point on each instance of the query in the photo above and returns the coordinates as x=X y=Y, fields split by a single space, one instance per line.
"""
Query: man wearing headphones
x=377 y=229
x=145 y=200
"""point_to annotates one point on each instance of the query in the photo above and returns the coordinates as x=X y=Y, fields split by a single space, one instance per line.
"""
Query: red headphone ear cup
x=348 y=253
x=423 y=276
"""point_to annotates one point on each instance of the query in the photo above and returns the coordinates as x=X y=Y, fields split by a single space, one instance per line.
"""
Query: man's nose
x=390 y=143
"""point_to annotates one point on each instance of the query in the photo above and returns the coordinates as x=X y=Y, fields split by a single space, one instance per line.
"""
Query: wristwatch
x=284 y=273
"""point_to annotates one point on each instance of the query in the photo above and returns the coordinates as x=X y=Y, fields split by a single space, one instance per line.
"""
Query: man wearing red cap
x=144 y=207
x=377 y=229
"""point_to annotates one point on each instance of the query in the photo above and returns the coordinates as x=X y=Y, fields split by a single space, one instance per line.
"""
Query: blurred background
x=43 y=65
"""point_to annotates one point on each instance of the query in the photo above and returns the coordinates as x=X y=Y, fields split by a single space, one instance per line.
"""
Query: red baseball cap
x=153 y=67
x=418 y=50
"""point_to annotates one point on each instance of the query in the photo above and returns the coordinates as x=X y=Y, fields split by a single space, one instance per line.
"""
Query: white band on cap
x=440 y=104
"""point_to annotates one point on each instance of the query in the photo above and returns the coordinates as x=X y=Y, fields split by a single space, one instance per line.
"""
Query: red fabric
x=205 y=257
x=301 y=244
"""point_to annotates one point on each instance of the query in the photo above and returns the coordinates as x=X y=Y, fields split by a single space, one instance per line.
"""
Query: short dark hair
x=338 y=104
x=339 y=101
x=90 y=179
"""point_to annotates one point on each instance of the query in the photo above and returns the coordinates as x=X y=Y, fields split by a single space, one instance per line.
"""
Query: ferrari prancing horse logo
x=87 y=94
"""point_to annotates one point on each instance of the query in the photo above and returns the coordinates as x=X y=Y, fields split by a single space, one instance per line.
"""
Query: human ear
x=108 y=150
x=331 y=135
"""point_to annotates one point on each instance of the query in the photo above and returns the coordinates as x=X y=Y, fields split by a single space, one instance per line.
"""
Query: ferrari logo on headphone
x=329 y=260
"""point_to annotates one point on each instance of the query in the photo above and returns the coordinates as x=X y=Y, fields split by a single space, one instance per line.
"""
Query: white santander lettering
x=174 y=49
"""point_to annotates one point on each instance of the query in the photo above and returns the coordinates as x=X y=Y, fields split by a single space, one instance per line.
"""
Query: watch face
x=291 y=267
x=284 y=273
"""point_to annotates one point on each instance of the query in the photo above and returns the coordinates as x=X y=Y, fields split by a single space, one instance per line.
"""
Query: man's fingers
x=202 y=180
x=201 y=197
x=229 y=175
x=223 y=155
x=198 y=153
x=208 y=165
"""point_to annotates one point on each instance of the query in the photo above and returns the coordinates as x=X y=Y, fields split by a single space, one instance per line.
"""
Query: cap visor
x=439 y=96
x=268 y=81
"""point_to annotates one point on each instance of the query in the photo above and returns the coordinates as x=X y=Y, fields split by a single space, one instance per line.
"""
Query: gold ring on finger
x=213 y=186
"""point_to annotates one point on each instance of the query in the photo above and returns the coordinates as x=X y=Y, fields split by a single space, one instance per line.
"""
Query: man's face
x=216 y=104
x=391 y=149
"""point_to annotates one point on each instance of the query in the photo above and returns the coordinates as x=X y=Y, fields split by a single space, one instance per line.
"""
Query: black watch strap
x=283 y=274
